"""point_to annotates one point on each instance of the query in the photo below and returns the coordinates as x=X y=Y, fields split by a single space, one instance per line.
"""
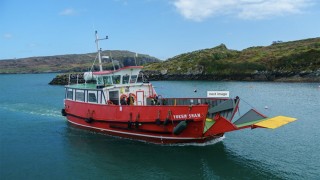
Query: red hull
x=154 y=124
x=146 y=137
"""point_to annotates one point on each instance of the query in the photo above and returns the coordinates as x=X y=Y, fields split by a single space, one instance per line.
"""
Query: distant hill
x=281 y=61
x=296 y=60
x=72 y=62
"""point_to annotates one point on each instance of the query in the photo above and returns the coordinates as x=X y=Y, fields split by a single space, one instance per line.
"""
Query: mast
x=135 y=58
x=99 y=50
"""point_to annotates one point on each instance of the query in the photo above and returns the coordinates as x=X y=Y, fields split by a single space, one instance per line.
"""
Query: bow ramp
x=252 y=119
x=275 y=122
x=255 y=119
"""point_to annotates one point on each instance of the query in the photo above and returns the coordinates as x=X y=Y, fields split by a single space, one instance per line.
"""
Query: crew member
x=130 y=100
x=123 y=101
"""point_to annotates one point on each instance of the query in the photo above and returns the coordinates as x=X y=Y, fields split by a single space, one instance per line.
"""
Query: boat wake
x=32 y=109
x=208 y=143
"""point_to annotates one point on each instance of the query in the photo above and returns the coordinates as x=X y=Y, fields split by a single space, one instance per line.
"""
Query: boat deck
x=83 y=86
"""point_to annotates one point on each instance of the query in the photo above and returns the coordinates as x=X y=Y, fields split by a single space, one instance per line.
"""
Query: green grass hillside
x=285 y=61
x=71 y=62
x=282 y=57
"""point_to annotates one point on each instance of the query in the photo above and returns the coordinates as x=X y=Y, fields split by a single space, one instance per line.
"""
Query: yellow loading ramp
x=253 y=118
x=275 y=122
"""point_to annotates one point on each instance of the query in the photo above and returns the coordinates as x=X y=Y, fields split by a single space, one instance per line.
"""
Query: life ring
x=110 y=102
x=123 y=96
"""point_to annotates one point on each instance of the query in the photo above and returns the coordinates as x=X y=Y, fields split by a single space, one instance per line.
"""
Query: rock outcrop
x=278 y=76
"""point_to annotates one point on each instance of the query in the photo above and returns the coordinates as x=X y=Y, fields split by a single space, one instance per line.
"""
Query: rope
x=239 y=113
x=274 y=111
x=247 y=103
x=94 y=62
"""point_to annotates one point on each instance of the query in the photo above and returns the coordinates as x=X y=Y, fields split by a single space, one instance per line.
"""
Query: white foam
x=211 y=142
x=33 y=109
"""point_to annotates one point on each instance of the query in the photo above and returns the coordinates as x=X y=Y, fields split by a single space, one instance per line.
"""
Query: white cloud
x=7 y=36
x=199 y=10
x=67 y=12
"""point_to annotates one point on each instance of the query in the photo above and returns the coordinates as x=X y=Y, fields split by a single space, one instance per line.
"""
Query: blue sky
x=160 y=28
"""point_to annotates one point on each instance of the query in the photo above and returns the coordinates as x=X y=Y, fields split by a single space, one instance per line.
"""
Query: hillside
x=298 y=60
x=281 y=61
x=71 y=62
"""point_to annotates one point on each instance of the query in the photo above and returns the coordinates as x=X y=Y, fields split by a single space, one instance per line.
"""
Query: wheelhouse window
x=100 y=80
x=80 y=95
x=125 y=79
x=107 y=80
x=133 y=79
x=116 y=79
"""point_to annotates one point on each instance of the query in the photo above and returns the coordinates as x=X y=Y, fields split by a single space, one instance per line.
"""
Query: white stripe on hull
x=135 y=134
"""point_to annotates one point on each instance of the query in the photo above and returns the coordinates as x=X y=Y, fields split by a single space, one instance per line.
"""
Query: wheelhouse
x=123 y=76
x=111 y=87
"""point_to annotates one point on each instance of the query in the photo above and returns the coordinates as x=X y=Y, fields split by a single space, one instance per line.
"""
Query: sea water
x=36 y=142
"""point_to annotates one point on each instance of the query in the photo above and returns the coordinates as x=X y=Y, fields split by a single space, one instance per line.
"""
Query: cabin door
x=114 y=97
x=140 y=97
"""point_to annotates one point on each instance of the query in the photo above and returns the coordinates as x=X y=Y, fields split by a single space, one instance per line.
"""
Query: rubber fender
x=158 y=121
x=63 y=112
x=88 y=120
x=137 y=124
x=129 y=124
x=180 y=127
x=166 y=122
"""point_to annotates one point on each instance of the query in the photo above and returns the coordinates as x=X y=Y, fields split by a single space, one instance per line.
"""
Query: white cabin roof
x=131 y=70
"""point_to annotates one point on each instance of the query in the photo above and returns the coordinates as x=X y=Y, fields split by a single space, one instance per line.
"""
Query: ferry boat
x=118 y=103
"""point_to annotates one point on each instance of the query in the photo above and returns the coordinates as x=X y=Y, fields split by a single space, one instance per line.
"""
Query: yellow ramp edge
x=275 y=122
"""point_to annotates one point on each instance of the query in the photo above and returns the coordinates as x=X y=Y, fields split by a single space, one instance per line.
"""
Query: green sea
x=36 y=142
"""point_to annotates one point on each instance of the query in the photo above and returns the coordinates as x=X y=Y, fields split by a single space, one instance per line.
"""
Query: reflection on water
x=127 y=158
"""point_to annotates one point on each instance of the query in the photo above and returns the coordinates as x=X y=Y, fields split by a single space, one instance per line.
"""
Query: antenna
x=135 y=58
x=112 y=62
x=99 y=50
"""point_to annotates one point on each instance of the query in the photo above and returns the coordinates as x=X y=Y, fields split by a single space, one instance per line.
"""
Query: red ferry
x=119 y=104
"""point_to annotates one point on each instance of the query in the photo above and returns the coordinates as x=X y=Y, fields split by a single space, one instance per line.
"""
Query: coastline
x=62 y=79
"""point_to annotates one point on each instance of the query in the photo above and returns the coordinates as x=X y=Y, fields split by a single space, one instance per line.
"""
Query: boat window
x=116 y=79
x=80 y=96
x=107 y=80
x=70 y=94
x=114 y=97
x=133 y=79
x=92 y=97
x=99 y=80
x=125 y=79
x=140 y=78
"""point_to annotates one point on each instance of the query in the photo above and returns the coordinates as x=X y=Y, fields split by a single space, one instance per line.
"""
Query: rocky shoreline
x=277 y=76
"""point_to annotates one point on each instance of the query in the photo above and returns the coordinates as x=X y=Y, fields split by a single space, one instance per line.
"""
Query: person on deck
x=130 y=100
x=123 y=101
